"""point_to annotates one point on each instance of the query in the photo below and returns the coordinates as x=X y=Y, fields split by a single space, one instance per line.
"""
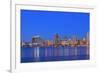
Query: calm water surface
x=53 y=54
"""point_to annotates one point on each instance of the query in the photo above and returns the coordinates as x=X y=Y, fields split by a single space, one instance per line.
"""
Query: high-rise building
x=37 y=41
x=56 y=40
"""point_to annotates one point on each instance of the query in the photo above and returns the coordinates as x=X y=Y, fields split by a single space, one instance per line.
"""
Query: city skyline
x=48 y=23
x=37 y=41
x=61 y=37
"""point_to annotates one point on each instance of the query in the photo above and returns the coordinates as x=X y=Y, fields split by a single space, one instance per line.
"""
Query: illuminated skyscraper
x=56 y=40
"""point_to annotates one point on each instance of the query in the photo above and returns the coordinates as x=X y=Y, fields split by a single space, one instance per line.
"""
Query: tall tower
x=56 y=40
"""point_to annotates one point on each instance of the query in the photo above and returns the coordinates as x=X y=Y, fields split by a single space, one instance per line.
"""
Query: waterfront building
x=88 y=38
x=88 y=43
x=49 y=43
x=64 y=43
x=37 y=41
x=74 y=41
x=56 y=40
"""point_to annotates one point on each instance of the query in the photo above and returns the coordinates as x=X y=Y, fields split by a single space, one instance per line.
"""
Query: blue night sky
x=48 y=23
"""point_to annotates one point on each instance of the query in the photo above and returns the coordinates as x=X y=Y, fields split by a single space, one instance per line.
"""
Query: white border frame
x=16 y=66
